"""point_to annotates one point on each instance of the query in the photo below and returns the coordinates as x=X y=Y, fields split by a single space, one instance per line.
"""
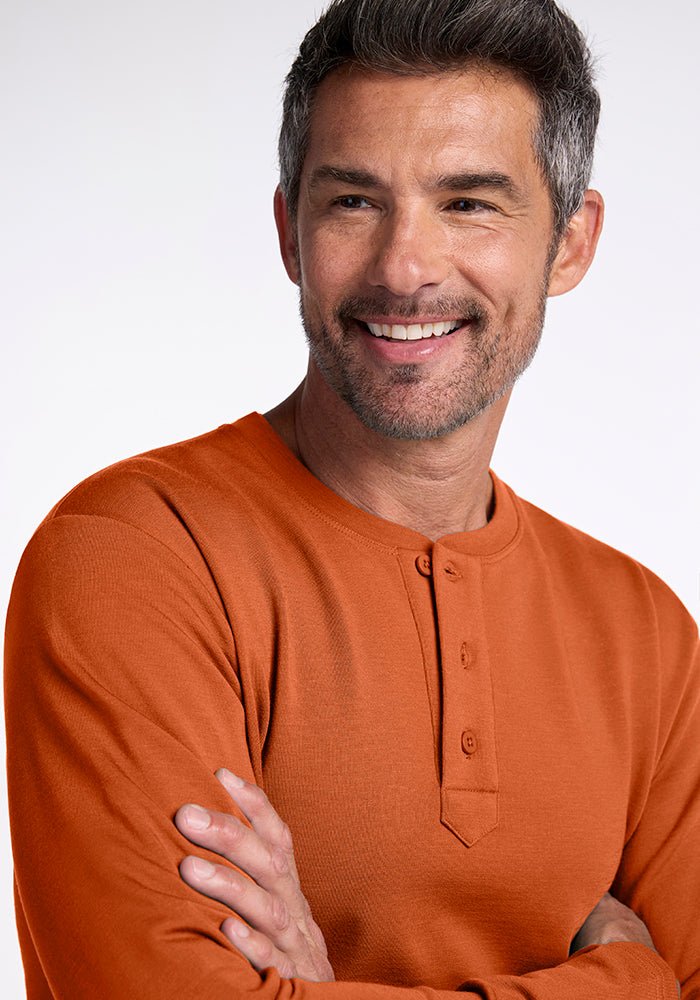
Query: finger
x=238 y=843
x=258 y=810
x=262 y=954
x=265 y=863
x=257 y=948
x=263 y=912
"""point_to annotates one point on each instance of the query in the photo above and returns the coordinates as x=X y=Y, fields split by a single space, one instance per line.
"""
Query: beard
x=413 y=401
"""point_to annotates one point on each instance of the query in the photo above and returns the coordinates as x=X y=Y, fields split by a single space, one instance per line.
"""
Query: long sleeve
x=123 y=697
x=659 y=872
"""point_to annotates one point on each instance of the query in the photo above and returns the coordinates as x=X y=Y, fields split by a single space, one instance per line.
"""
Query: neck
x=436 y=487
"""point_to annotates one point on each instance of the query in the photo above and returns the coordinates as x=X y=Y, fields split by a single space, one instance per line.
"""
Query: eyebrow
x=470 y=180
x=467 y=181
x=342 y=175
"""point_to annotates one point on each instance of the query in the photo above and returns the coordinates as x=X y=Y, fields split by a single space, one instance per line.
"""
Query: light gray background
x=143 y=300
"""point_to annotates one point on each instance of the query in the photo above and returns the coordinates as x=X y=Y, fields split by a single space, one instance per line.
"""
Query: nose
x=410 y=253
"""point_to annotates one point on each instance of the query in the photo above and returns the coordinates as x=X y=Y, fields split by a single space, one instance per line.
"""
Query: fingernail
x=202 y=868
x=240 y=930
x=197 y=818
x=228 y=779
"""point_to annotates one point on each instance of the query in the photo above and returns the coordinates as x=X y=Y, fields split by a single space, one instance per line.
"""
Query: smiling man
x=479 y=726
x=422 y=219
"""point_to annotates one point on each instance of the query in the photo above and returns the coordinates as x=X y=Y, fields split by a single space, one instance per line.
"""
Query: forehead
x=485 y=114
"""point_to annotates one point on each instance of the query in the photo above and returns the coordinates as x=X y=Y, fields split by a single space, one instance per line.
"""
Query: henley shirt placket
x=466 y=730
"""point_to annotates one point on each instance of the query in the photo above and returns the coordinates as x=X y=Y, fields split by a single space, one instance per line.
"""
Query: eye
x=468 y=205
x=352 y=201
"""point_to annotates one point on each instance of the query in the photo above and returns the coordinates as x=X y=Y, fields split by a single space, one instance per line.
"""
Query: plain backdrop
x=143 y=301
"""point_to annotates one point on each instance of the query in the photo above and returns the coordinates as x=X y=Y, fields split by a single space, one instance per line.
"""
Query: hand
x=609 y=921
x=279 y=930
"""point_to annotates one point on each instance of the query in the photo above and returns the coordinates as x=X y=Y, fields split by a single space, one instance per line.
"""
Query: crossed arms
x=278 y=929
x=125 y=690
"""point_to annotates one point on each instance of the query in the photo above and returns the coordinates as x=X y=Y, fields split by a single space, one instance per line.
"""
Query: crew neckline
x=491 y=539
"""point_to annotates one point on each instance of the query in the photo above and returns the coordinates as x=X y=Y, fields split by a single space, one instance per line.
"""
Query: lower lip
x=404 y=352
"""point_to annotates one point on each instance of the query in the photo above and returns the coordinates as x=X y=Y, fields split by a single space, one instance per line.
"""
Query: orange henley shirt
x=471 y=740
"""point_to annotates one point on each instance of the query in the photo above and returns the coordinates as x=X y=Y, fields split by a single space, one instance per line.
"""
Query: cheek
x=506 y=270
x=330 y=271
x=488 y=270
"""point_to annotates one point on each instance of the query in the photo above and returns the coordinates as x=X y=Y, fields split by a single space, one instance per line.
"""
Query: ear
x=286 y=232
x=578 y=246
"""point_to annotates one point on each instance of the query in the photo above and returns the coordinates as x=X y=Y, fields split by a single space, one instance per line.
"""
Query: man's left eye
x=467 y=205
x=352 y=201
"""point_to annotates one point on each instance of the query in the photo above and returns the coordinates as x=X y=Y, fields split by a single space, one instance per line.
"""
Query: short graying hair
x=534 y=39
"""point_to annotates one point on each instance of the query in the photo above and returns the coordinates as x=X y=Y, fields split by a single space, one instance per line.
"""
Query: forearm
x=274 y=929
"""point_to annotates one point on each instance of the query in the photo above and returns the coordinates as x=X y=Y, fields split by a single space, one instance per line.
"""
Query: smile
x=414 y=331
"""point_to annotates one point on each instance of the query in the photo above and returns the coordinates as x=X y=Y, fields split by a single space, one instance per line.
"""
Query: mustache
x=442 y=308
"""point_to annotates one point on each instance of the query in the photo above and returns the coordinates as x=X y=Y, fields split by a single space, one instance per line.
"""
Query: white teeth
x=415 y=331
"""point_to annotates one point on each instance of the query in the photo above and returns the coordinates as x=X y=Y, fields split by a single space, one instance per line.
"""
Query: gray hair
x=533 y=39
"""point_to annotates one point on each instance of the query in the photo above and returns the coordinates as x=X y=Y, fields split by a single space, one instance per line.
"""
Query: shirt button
x=424 y=564
x=452 y=572
x=465 y=655
x=468 y=742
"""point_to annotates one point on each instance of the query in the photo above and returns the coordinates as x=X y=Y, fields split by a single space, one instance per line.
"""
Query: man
x=475 y=720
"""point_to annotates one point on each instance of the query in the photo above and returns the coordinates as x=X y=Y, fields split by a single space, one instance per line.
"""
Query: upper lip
x=404 y=321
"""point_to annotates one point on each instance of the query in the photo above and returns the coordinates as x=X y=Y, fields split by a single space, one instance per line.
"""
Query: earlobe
x=286 y=233
x=578 y=247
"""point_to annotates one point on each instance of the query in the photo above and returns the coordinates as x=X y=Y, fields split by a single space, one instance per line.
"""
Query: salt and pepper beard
x=402 y=405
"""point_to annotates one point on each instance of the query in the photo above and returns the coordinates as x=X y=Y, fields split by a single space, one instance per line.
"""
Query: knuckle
x=258 y=801
x=236 y=883
x=278 y=860
x=279 y=914
x=232 y=831
x=285 y=837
